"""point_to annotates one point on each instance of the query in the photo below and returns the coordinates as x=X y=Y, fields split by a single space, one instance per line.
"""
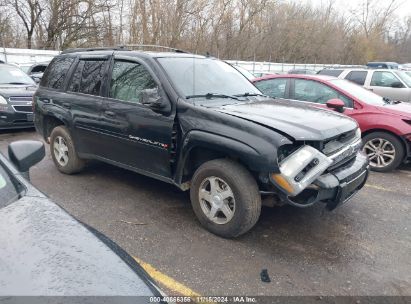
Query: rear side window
x=56 y=72
x=357 y=76
x=273 y=87
x=88 y=77
x=38 y=69
x=330 y=72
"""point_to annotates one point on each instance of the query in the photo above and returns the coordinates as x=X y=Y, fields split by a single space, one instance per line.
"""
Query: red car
x=385 y=124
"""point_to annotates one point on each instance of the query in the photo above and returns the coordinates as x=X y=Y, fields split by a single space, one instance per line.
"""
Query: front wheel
x=225 y=198
x=385 y=151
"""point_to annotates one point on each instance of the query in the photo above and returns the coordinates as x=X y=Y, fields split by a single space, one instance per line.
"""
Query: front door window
x=128 y=80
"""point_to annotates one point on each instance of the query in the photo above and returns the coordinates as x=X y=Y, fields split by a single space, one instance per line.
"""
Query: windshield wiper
x=390 y=101
x=246 y=94
x=212 y=95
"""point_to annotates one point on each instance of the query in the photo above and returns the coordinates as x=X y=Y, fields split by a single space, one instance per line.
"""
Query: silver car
x=393 y=84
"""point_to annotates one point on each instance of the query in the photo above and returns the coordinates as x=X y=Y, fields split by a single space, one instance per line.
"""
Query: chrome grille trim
x=346 y=152
x=20 y=99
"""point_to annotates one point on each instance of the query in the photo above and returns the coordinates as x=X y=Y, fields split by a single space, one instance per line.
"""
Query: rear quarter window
x=56 y=73
x=357 y=77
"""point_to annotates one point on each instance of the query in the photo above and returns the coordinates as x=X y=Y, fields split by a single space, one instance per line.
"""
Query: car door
x=387 y=84
x=135 y=135
x=84 y=101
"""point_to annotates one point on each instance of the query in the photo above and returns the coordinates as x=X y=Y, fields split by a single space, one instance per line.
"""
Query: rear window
x=357 y=76
x=56 y=72
x=330 y=72
x=273 y=87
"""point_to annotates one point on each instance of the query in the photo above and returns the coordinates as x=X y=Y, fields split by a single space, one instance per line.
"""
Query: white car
x=393 y=84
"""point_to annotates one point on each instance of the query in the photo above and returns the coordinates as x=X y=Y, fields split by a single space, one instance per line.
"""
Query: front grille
x=20 y=99
x=333 y=145
x=25 y=109
x=344 y=155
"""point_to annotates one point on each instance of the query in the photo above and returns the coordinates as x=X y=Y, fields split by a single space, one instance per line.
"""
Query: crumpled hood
x=17 y=90
x=402 y=109
x=302 y=122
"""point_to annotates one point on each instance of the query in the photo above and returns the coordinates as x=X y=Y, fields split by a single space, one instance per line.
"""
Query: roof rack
x=153 y=46
x=74 y=50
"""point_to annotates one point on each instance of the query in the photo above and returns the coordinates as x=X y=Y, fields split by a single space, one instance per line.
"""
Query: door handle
x=109 y=113
x=66 y=105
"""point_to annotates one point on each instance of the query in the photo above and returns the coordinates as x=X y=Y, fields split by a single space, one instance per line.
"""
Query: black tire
x=246 y=195
x=396 y=144
x=74 y=163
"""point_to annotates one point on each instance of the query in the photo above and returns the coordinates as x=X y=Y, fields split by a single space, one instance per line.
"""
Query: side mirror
x=26 y=153
x=336 y=104
x=397 y=84
x=152 y=99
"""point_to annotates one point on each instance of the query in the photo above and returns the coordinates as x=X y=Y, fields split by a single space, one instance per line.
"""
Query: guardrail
x=276 y=67
x=22 y=56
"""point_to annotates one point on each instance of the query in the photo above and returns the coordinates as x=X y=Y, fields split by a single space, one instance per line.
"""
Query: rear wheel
x=64 y=152
x=385 y=151
x=225 y=198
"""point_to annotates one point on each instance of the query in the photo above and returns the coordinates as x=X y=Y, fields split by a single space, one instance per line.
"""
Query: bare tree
x=277 y=30
x=29 y=11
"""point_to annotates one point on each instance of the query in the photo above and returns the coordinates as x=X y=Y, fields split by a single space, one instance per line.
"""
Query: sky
x=403 y=10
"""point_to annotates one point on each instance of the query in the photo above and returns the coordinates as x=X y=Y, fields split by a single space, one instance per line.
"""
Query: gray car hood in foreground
x=46 y=252
x=302 y=122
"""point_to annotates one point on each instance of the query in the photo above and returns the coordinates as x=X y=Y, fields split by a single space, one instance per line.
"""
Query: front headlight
x=300 y=169
x=3 y=100
x=358 y=133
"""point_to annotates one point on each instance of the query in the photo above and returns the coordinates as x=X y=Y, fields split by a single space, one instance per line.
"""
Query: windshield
x=8 y=189
x=245 y=72
x=200 y=76
x=25 y=68
x=405 y=77
x=359 y=92
x=13 y=75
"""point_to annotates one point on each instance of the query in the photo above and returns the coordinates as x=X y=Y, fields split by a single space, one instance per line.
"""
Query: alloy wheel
x=217 y=200
x=380 y=152
x=60 y=150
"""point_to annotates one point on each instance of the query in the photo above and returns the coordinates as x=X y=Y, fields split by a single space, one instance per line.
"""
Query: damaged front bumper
x=328 y=185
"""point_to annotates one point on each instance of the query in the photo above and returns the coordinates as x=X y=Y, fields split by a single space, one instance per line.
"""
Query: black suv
x=16 y=94
x=197 y=123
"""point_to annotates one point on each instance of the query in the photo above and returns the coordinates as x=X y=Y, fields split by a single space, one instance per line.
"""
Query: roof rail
x=153 y=46
x=74 y=50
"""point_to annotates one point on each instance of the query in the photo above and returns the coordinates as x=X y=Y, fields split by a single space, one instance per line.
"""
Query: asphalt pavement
x=361 y=248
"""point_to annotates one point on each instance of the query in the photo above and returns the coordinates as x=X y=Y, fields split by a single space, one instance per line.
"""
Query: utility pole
x=4 y=48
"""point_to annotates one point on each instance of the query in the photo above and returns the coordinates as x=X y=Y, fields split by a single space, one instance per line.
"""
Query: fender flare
x=253 y=158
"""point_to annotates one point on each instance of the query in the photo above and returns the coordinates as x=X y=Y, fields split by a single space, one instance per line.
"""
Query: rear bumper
x=336 y=187
x=15 y=120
